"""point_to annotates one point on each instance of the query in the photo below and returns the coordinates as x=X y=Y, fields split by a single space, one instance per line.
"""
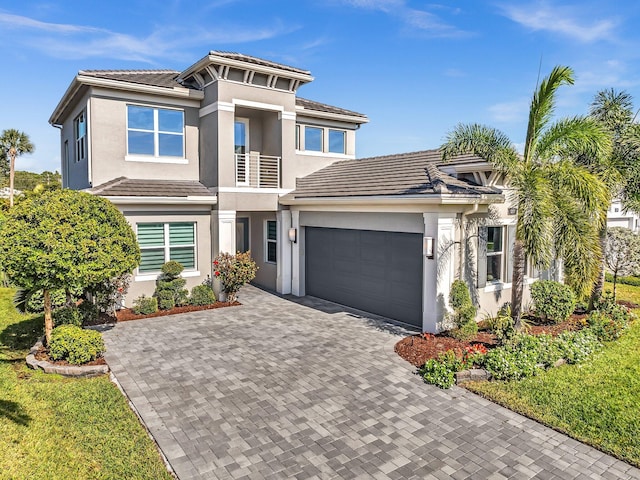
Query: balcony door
x=241 y=145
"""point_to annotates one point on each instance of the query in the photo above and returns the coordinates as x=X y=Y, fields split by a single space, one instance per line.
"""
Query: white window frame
x=80 y=143
x=188 y=272
x=322 y=139
x=500 y=253
x=301 y=141
x=344 y=140
x=156 y=157
x=267 y=241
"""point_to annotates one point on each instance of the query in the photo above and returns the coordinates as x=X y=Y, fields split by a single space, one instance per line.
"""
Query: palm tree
x=559 y=202
x=14 y=143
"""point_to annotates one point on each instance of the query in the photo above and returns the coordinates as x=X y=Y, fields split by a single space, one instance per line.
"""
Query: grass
x=53 y=427
x=596 y=402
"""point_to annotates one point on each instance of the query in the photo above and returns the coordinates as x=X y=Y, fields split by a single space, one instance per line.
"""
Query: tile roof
x=130 y=187
x=415 y=173
x=156 y=78
x=322 y=107
x=257 y=61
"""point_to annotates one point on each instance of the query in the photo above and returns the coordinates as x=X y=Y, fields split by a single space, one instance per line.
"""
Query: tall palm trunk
x=517 y=285
x=48 y=319
x=12 y=169
x=598 y=286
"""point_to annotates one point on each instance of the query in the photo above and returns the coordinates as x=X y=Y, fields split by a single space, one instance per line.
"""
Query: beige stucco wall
x=108 y=119
x=267 y=272
x=163 y=214
x=75 y=175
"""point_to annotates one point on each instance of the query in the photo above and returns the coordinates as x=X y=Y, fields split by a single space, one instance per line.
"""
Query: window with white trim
x=157 y=132
x=271 y=241
x=80 y=137
x=337 y=141
x=320 y=139
x=495 y=254
x=161 y=242
x=313 y=139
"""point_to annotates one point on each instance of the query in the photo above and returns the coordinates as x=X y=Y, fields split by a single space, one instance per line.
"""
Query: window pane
x=240 y=134
x=336 y=141
x=151 y=260
x=271 y=230
x=170 y=120
x=140 y=117
x=181 y=234
x=494 y=268
x=313 y=139
x=151 y=234
x=141 y=143
x=271 y=251
x=185 y=255
x=170 y=145
x=494 y=239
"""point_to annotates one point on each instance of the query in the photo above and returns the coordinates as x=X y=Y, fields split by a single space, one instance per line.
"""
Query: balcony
x=257 y=171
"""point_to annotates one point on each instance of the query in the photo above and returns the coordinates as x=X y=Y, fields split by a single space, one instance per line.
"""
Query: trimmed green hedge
x=634 y=281
x=75 y=345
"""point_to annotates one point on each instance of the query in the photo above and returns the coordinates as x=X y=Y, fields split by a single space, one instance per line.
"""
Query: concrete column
x=283 y=267
x=224 y=232
x=439 y=272
x=296 y=275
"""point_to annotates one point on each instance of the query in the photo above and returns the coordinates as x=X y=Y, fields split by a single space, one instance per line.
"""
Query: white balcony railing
x=258 y=171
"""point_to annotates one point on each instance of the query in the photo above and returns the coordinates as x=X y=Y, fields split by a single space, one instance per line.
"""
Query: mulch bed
x=43 y=354
x=417 y=349
x=127 y=314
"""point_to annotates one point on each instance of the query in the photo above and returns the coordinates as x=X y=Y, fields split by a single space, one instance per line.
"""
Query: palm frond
x=487 y=143
x=543 y=105
x=21 y=299
x=612 y=108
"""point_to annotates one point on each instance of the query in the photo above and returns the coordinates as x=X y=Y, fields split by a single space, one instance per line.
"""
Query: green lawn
x=52 y=427
x=597 y=402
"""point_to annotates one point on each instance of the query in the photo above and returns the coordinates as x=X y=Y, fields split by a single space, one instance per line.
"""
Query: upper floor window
x=337 y=141
x=158 y=132
x=80 y=137
x=313 y=139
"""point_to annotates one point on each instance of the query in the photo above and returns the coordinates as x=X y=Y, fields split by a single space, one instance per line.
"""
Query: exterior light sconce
x=512 y=210
x=293 y=235
x=427 y=247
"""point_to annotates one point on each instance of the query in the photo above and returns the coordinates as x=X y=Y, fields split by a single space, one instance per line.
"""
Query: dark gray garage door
x=379 y=272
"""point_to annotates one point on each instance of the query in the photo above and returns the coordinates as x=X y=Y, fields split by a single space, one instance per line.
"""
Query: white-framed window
x=161 y=242
x=80 y=137
x=495 y=254
x=337 y=141
x=271 y=241
x=313 y=139
x=155 y=132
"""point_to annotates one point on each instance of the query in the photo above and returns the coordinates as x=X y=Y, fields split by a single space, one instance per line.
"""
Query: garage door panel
x=379 y=272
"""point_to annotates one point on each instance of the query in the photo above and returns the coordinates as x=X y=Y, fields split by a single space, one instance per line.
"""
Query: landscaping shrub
x=577 y=346
x=515 y=360
x=89 y=311
x=634 y=281
x=35 y=304
x=464 y=312
x=441 y=372
x=501 y=325
x=144 y=305
x=234 y=271
x=75 y=345
x=67 y=316
x=202 y=295
x=553 y=300
x=170 y=289
x=107 y=295
x=438 y=374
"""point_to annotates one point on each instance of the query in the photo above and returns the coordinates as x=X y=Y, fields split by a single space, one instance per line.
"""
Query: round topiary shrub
x=553 y=300
x=67 y=316
x=202 y=295
x=75 y=345
x=172 y=268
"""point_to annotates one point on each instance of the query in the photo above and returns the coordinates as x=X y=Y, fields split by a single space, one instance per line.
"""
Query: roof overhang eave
x=331 y=116
x=188 y=200
x=436 y=199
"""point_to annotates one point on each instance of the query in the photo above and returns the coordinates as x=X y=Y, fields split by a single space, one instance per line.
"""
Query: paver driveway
x=275 y=389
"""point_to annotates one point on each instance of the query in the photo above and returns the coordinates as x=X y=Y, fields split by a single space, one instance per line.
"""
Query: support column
x=439 y=272
x=283 y=267
x=297 y=276
x=224 y=232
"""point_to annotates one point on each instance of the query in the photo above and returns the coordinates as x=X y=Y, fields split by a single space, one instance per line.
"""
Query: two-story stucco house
x=224 y=157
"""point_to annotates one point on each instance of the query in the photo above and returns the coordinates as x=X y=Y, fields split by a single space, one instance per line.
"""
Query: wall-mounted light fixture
x=427 y=247
x=512 y=210
x=293 y=235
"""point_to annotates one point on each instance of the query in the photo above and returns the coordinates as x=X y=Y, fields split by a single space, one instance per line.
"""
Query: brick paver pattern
x=278 y=389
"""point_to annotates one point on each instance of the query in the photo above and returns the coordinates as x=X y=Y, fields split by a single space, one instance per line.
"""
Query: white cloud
x=79 y=41
x=514 y=111
x=567 y=21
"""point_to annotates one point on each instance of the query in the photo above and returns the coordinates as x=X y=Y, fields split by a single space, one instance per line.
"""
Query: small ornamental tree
x=170 y=289
x=622 y=253
x=234 y=271
x=65 y=239
x=464 y=312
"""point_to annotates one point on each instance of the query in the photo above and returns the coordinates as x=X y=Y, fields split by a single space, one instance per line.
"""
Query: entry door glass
x=241 y=145
x=242 y=235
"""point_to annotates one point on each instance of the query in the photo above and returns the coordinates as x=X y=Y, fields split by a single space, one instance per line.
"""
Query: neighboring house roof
x=156 y=78
x=323 y=107
x=415 y=173
x=257 y=61
x=130 y=187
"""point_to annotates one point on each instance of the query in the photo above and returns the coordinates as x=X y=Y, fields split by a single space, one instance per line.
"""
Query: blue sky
x=415 y=68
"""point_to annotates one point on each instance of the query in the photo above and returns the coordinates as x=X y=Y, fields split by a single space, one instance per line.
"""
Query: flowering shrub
x=441 y=372
x=234 y=271
x=577 y=346
x=438 y=374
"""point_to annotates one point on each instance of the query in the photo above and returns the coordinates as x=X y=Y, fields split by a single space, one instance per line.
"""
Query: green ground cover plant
x=596 y=402
x=57 y=428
